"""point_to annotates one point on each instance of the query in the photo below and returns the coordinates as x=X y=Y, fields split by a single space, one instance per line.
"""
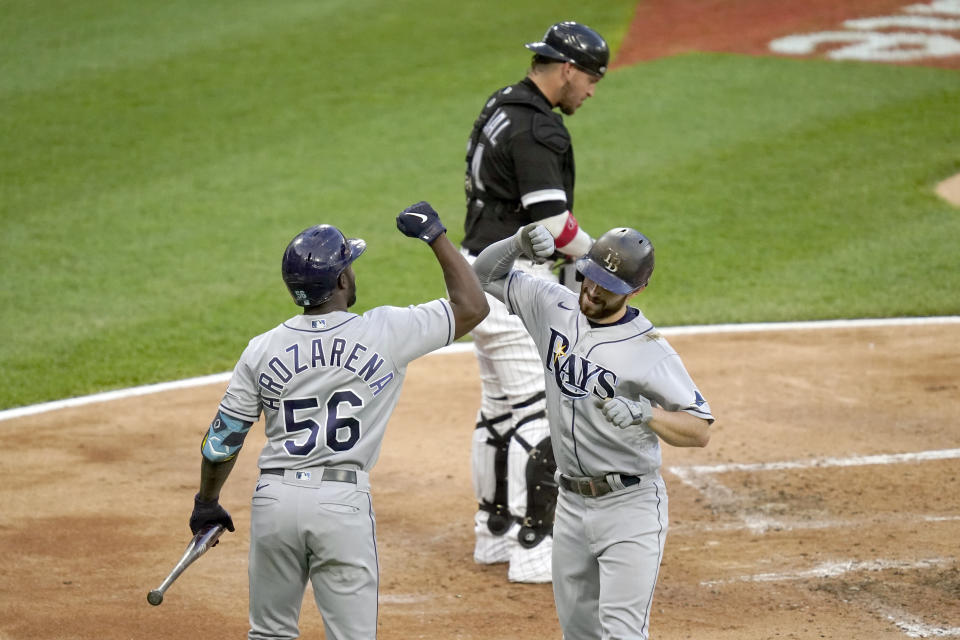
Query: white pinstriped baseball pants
x=511 y=373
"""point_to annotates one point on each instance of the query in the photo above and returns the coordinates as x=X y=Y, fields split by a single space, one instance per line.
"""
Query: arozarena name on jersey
x=576 y=377
x=284 y=368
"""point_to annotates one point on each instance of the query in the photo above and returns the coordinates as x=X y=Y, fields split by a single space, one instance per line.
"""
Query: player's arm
x=467 y=301
x=466 y=297
x=212 y=477
x=679 y=428
x=207 y=510
x=495 y=262
x=221 y=444
x=538 y=158
x=570 y=239
x=676 y=428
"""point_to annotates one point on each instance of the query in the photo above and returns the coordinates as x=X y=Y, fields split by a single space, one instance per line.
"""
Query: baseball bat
x=198 y=546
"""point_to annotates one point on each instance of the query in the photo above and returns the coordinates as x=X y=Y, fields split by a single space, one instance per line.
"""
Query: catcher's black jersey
x=519 y=154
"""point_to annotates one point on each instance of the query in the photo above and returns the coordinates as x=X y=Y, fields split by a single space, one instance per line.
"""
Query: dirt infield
x=949 y=190
x=826 y=506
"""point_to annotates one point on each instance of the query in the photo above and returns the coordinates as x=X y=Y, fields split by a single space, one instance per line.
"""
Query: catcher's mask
x=576 y=43
x=314 y=260
x=620 y=261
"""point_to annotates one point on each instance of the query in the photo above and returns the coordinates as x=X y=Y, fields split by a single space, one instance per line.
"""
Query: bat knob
x=155 y=597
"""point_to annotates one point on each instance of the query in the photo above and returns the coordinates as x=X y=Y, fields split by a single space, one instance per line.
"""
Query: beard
x=598 y=309
x=568 y=104
x=565 y=104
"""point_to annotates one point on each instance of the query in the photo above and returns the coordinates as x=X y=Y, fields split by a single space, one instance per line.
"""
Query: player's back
x=328 y=383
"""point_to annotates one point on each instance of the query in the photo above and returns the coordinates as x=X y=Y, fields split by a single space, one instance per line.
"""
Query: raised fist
x=536 y=242
x=420 y=221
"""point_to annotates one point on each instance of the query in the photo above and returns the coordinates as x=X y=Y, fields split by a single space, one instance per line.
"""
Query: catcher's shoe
x=531 y=565
x=490 y=548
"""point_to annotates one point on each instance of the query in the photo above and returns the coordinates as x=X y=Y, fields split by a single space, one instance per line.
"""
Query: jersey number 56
x=340 y=433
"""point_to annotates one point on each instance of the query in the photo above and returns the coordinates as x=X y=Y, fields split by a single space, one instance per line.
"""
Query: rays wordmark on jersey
x=576 y=376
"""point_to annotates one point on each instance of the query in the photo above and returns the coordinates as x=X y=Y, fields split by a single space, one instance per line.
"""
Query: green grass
x=158 y=157
x=782 y=190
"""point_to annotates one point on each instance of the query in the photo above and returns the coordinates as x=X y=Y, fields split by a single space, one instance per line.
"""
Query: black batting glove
x=420 y=221
x=207 y=514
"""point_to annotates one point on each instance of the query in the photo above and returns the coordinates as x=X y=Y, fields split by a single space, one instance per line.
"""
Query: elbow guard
x=224 y=438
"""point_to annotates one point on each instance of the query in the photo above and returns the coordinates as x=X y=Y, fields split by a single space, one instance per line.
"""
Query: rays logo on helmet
x=612 y=262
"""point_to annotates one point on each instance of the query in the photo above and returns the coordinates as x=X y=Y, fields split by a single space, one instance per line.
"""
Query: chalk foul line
x=910 y=624
x=815 y=463
x=912 y=627
x=704 y=479
x=833 y=570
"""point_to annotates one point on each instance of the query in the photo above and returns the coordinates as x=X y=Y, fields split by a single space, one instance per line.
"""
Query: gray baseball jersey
x=327 y=384
x=606 y=549
x=583 y=363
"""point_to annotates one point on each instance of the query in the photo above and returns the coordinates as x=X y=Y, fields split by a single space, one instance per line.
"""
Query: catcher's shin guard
x=533 y=492
x=494 y=503
x=489 y=466
x=541 y=495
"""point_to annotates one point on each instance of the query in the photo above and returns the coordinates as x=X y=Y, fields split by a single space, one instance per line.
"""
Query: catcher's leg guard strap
x=500 y=519
x=529 y=401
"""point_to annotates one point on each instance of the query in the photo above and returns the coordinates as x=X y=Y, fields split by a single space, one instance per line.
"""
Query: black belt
x=596 y=486
x=335 y=475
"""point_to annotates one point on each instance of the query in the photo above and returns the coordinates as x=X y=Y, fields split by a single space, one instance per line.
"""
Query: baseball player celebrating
x=615 y=388
x=520 y=169
x=326 y=382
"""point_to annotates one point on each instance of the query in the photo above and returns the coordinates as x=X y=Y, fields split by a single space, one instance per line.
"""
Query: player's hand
x=623 y=412
x=536 y=242
x=207 y=514
x=420 y=221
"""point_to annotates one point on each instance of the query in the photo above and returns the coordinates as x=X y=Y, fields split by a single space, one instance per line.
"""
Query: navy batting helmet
x=576 y=43
x=620 y=261
x=315 y=259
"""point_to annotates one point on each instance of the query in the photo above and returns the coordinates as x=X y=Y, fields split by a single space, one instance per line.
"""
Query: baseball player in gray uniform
x=326 y=382
x=615 y=388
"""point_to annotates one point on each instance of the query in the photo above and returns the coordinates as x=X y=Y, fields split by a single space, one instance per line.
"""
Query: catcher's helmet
x=620 y=261
x=576 y=43
x=314 y=260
